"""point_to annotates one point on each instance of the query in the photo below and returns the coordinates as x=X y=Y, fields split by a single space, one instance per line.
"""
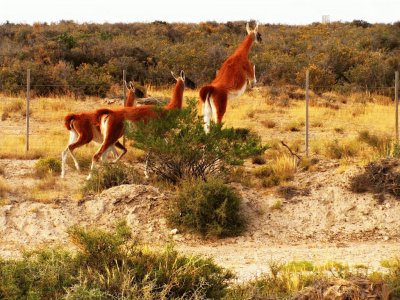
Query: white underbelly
x=237 y=93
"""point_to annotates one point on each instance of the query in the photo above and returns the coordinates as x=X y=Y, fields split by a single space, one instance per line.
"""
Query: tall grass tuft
x=109 y=175
x=47 y=165
x=381 y=144
x=281 y=169
x=343 y=149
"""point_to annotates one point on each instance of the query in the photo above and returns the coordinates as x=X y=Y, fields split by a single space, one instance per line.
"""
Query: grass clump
x=110 y=265
x=392 y=276
x=304 y=280
x=47 y=165
x=14 y=107
x=210 y=208
x=281 y=169
x=308 y=164
x=381 y=144
x=294 y=126
x=5 y=188
x=336 y=150
x=268 y=123
x=281 y=282
x=111 y=174
x=267 y=176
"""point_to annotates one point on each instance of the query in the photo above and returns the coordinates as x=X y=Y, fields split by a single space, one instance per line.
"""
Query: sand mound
x=26 y=224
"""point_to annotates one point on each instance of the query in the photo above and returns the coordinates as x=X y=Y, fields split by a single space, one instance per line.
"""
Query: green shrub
x=108 y=265
x=47 y=165
x=111 y=174
x=82 y=291
x=98 y=247
x=210 y=208
x=178 y=147
x=38 y=275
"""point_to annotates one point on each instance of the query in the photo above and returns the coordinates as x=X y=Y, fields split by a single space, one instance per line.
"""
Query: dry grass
x=269 y=123
x=48 y=182
x=258 y=110
x=284 y=167
x=50 y=188
x=5 y=188
x=44 y=196
x=279 y=170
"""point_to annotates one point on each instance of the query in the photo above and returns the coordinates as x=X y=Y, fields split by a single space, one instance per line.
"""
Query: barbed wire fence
x=307 y=90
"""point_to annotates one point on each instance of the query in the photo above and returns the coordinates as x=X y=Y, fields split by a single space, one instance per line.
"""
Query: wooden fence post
x=28 y=95
x=396 y=97
x=307 y=100
x=124 y=85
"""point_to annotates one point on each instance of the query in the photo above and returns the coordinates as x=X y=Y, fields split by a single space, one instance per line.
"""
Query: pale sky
x=264 y=11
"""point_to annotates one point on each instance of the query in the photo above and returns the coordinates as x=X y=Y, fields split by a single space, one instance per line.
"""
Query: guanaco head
x=180 y=78
x=257 y=35
x=130 y=99
x=131 y=87
x=177 y=94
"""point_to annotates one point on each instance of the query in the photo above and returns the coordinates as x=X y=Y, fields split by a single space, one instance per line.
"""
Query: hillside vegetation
x=88 y=59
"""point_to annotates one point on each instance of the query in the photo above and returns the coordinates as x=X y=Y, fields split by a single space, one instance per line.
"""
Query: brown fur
x=232 y=76
x=86 y=126
x=113 y=119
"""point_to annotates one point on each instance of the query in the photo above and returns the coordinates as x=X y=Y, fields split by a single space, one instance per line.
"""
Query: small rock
x=386 y=238
x=173 y=231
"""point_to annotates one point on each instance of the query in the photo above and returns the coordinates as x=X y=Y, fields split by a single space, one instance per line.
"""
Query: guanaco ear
x=173 y=75
x=131 y=86
x=182 y=75
x=248 y=28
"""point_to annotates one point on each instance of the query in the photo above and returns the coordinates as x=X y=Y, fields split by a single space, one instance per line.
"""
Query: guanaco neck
x=245 y=46
x=177 y=96
x=130 y=99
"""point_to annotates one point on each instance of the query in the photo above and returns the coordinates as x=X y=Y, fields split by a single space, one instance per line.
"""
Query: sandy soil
x=324 y=221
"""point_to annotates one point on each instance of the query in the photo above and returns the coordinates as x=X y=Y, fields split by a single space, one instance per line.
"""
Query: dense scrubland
x=71 y=58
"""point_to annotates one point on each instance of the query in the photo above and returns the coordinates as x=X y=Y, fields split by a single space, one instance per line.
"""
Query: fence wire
x=310 y=135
